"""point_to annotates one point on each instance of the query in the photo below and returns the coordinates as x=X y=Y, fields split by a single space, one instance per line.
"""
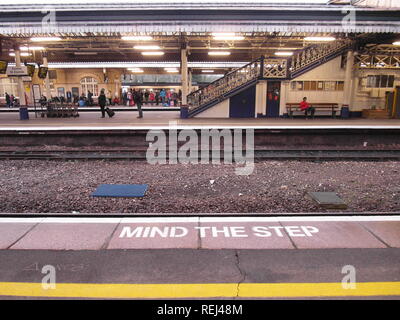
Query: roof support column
x=21 y=89
x=348 y=92
x=47 y=79
x=184 y=75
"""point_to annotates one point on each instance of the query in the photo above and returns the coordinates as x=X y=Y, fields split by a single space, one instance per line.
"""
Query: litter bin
x=184 y=112
x=23 y=113
x=345 y=112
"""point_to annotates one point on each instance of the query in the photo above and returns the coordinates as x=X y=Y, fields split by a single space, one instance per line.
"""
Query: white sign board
x=17 y=71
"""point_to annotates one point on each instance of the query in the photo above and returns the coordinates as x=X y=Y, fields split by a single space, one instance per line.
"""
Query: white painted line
x=305 y=219
x=161 y=220
x=81 y=220
x=198 y=219
x=183 y=126
x=21 y=220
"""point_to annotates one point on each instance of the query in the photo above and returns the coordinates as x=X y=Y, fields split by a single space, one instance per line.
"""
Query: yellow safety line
x=200 y=290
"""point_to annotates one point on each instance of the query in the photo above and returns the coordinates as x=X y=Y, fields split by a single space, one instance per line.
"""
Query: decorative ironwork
x=312 y=54
x=264 y=68
x=275 y=68
x=218 y=89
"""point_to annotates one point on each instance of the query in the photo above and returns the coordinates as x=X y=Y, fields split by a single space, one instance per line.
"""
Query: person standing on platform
x=8 y=100
x=304 y=106
x=151 y=97
x=102 y=103
x=12 y=99
x=90 y=98
x=162 y=96
x=139 y=101
x=157 y=97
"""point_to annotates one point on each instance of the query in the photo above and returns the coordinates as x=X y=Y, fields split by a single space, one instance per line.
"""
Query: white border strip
x=183 y=126
x=78 y=220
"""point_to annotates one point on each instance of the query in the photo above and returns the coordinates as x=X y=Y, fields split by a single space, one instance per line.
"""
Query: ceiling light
x=147 y=47
x=136 y=70
x=172 y=71
x=152 y=53
x=219 y=53
x=284 y=53
x=44 y=39
x=82 y=53
x=228 y=38
x=22 y=54
x=29 y=48
x=220 y=34
x=136 y=38
x=319 y=39
x=396 y=43
x=207 y=71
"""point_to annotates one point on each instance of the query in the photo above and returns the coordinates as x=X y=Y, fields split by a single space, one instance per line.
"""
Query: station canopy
x=114 y=33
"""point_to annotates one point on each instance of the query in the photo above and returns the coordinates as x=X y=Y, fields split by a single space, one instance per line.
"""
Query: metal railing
x=263 y=68
x=219 y=88
x=312 y=54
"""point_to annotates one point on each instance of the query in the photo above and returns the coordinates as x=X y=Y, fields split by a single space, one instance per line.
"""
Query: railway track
x=259 y=154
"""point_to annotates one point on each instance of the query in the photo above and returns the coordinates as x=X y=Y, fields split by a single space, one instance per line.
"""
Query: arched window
x=90 y=84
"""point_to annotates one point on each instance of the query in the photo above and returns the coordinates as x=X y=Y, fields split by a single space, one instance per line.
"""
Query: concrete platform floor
x=219 y=258
x=164 y=119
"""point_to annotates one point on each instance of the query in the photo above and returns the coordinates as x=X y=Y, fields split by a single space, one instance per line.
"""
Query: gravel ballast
x=274 y=187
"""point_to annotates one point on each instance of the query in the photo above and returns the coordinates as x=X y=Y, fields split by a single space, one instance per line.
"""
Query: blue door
x=243 y=104
x=273 y=98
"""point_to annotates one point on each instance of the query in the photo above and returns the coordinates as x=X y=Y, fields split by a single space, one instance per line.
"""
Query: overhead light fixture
x=45 y=39
x=82 y=53
x=136 y=70
x=137 y=38
x=284 y=53
x=319 y=39
x=172 y=71
x=147 y=47
x=226 y=36
x=29 y=48
x=396 y=43
x=207 y=71
x=219 y=53
x=152 y=53
x=22 y=54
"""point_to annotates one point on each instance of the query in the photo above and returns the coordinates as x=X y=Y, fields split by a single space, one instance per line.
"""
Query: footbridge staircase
x=264 y=68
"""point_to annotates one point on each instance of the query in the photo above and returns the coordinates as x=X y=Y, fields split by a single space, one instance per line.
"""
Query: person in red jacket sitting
x=304 y=106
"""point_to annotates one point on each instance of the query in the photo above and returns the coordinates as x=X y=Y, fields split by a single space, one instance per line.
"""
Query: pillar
x=348 y=92
x=21 y=89
x=47 y=79
x=261 y=98
x=283 y=97
x=184 y=76
x=190 y=81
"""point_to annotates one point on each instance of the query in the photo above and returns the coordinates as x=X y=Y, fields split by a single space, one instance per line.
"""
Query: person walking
x=139 y=101
x=157 y=97
x=90 y=98
x=102 y=103
x=8 y=100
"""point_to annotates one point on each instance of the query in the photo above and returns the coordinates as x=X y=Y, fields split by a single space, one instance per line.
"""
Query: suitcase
x=110 y=112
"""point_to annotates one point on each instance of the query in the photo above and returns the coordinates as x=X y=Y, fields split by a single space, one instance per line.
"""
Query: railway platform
x=201 y=257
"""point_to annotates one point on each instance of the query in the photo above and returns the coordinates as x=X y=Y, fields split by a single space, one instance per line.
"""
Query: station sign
x=17 y=71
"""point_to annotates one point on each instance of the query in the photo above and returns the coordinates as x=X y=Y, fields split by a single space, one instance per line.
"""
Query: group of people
x=11 y=101
x=165 y=97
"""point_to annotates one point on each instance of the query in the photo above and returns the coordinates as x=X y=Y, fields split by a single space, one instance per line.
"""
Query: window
x=317 y=85
x=89 y=84
x=380 y=81
x=8 y=85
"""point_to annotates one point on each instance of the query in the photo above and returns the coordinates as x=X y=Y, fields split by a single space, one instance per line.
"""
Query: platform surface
x=150 y=258
x=162 y=119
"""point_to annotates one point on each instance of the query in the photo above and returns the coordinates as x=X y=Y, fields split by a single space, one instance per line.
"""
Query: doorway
x=273 y=98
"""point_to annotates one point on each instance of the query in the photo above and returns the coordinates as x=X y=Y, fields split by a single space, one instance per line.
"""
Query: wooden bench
x=323 y=106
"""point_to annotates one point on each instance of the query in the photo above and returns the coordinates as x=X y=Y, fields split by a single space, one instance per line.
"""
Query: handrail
x=263 y=68
x=225 y=84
